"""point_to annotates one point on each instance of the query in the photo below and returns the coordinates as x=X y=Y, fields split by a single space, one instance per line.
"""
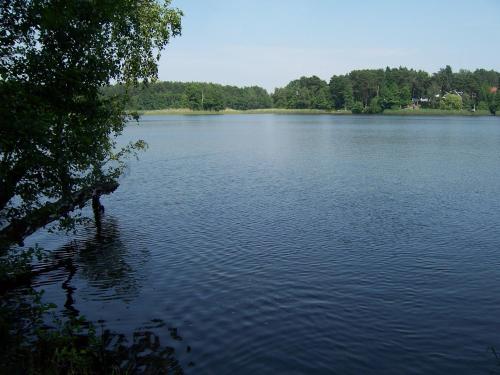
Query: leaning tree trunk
x=19 y=229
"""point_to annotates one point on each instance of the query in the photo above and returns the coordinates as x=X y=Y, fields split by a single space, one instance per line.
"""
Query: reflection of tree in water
x=144 y=354
x=26 y=345
x=101 y=258
x=496 y=357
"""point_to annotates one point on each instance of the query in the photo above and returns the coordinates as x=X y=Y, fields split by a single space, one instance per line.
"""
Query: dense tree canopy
x=494 y=105
x=193 y=95
x=341 y=92
x=375 y=90
x=451 y=101
x=57 y=132
x=401 y=87
x=392 y=88
x=306 y=92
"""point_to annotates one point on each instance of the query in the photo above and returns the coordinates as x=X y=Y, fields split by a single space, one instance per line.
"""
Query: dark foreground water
x=281 y=244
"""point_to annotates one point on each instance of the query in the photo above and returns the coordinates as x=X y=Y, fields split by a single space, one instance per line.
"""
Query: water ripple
x=302 y=244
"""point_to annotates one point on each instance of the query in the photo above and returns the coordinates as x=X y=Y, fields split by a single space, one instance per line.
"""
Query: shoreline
x=282 y=111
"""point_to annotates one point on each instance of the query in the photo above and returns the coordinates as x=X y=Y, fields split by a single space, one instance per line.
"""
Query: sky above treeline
x=271 y=42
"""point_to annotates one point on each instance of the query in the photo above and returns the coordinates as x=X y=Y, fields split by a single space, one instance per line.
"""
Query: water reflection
x=98 y=262
x=95 y=261
x=145 y=354
x=351 y=242
x=104 y=261
x=496 y=357
x=70 y=309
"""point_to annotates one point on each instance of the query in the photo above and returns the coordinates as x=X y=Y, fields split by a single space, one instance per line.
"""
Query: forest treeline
x=193 y=95
x=360 y=91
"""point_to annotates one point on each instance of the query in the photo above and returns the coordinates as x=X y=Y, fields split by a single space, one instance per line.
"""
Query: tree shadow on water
x=100 y=259
x=496 y=357
x=69 y=343
x=107 y=264
x=145 y=354
x=73 y=347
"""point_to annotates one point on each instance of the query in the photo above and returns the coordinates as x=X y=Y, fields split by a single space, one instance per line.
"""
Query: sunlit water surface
x=301 y=244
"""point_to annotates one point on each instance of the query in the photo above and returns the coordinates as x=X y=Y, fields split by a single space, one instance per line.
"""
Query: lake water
x=280 y=244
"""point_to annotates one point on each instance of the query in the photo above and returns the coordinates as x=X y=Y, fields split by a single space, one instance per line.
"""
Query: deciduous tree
x=57 y=132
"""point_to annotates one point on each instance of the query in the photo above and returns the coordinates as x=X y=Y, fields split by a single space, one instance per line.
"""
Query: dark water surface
x=301 y=244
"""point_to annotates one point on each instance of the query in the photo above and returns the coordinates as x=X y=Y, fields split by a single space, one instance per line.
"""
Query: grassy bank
x=228 y=111
x=390 y=112
x=435 y=112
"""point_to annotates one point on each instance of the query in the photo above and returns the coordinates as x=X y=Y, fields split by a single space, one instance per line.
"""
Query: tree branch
x=18 y=230
x=9 y=183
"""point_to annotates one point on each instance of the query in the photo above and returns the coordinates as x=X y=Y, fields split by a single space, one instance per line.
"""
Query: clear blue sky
x=270 y=42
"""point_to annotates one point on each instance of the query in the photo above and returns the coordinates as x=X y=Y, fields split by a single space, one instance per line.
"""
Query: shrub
x=357 y=108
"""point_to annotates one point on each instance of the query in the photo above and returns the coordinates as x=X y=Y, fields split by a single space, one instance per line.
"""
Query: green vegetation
x=357 y=109
x=451 y=102
x=35 y=341
x=228 y=111
x=368 y=91
x=494 y=103
x=434 y=112
x=60 y=120
x=58 y=150
x=304 y=93
x=57 y=137
x=193 y=95
x=374 y=91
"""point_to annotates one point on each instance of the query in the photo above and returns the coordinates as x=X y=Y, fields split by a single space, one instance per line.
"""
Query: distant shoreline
x=279 y=111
